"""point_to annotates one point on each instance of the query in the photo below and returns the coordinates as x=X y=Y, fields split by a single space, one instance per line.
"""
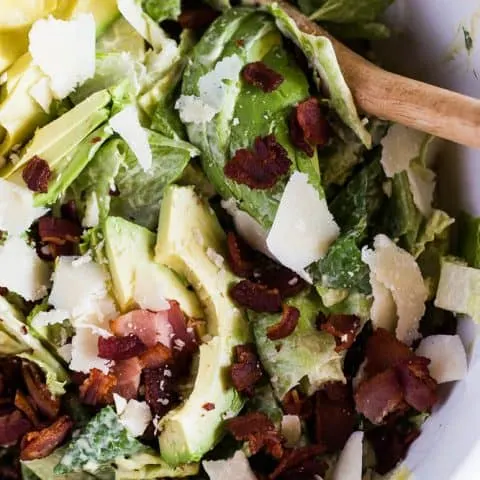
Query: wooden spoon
x=399 y=99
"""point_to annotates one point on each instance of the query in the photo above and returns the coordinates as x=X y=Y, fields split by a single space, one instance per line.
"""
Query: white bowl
x=429 y=44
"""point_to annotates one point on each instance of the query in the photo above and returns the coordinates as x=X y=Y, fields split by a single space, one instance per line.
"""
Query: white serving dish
x=428 y=44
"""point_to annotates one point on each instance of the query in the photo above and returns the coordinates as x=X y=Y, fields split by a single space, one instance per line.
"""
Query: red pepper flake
x=287 y=325
x=155 y=356
x=240 y=256
x=96 y=140
x=256 y=297
x=259 y=431
x=197 y=18
x=37 y=174
x=308 y=126
x=260 y=168
x=120 y=348
x=59 y=231
x=208 y=406
x=261 y=76
x=42 y=443
x=335 y=416
x=97 y=389
x=246 y=371
x=343 y=328
x=295 y=460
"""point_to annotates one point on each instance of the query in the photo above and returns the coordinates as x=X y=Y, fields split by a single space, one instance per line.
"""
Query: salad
x=212 y=264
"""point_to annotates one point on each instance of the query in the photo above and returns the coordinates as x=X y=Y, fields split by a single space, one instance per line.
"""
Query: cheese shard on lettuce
x=398 y=271
x=64 y=51
x=459 y=289
x=303 y=228
x=236 y=467
x=447 y=356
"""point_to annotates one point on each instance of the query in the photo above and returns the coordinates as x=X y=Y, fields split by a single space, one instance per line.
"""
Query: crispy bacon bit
x=37 y=174
x=12 y=428
x=261 y=167
x=384 y=351
x=239 y=256
x=120 y=348
x=343 y=328
x=334 y=416
x=288 y=283
x=287 y=324
x=380 y=396
x=259 y=431
x=127 y=373
x=155 y=356
x=97 y=389
x=184 y=339
x=261 y=76
x=246 y=371
x=42 y=443
x=419 y=387
x=390 y=445
x=59 y=231
x=39 y=392
x=159 y=389
x=294 y=460
x=308 y=126
x=256 y=297
x=197 y=18
x=24 y=405
x=208 y=406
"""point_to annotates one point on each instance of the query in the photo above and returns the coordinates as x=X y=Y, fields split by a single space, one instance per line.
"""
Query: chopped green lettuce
x=469 y=239
x=219 y=4
x=98 y=444
x=121 y=37
x=320 y=53
x=307 y=357
x=350 y=11
x=141 y=192
x=161 y=10
x=434 y=228
x=264 y=401
x=369 y=30
x=16 y=334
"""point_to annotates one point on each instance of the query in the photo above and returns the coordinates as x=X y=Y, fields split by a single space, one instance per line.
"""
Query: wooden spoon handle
x=399 y=99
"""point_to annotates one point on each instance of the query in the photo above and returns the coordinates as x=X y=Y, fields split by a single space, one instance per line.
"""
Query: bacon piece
x=259 y=431
x=287 y=325
x=197 y=18
x=24 y=405
x=58 y=231
x=260 y=168
x=12 y=428
x=37 y=174
x=150 y=327
x=97 y=389
x=296 y=403
x=391 y=445
x=155 y=356
x=246 y=371
x=419 y=387
x=256 y=297
x=308 y=126
x=128 y=374
x=384 y=351
x=160 y=391
x=343 y=328
x=334 y=416
x=42 y=443
x=261 y=76
x=240 y=256
x=184 y=339
x=295 y=459
x=120 y=348
x=288 y=283
x=380 y=396
x=39 y=392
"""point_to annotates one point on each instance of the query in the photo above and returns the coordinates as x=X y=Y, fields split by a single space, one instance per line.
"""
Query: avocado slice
x=60 y=137
x=130 y=250
x=191 y=242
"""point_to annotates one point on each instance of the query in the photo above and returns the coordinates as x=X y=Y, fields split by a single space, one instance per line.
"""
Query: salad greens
x=157 y=278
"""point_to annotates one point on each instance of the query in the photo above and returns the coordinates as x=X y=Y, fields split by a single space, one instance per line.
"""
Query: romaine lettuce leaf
x=369 y=30
x=161 y=10
x=307 y=357
x=219 y=4
x=320 y=53
x=15 y=333
x=434 y=228
x=350 y=11
x=264 y=401
x=469 y=239
x=121 y=37
x=139 y=192
x=102 y=440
